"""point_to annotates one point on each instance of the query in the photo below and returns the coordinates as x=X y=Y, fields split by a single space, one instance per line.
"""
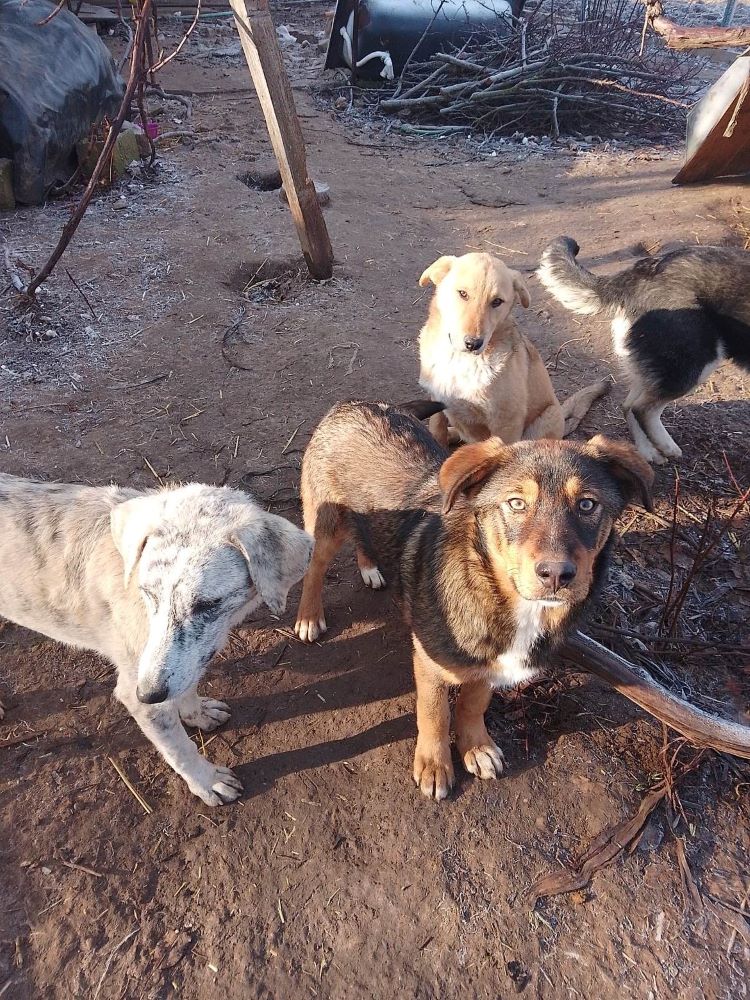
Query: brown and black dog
x=496 y=551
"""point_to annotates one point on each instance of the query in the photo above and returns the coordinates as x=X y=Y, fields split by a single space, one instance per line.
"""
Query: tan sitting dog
x=475 y=360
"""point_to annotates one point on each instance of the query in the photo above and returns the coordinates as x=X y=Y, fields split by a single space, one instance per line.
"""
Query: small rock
x=46 y=871
x=285 y=36
x=50 y=334
x=132 y=318
x=120 y=203
x=125 y=151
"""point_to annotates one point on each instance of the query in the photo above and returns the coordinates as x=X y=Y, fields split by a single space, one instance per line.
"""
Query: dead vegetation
x=556 y=75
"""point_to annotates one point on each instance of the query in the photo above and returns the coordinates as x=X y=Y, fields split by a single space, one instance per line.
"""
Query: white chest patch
x=457 y=376
x=511 y=666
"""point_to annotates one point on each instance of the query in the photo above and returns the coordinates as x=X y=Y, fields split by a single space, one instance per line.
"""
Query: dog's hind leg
x=549 y=424
x=368 y=568
x=326 y=525
x=161 y=725
x=645 y=447
x=480 y=754
x=650 y=418
x=366 y=559
x=203 y=713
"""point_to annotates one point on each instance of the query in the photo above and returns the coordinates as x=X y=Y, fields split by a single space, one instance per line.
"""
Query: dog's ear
x=632 y=472
x=468 y=466
x=277 y=553
x=521 y=289
x=131 y=523
x=437 y=271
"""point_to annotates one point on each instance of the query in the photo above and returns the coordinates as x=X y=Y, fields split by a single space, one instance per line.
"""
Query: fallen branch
x=610 y=843
x=681 y=38
x=700 y=728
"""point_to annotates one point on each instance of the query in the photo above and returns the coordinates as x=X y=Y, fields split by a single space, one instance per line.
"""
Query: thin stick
x=109 y=960
x=73 y=222
x=131 y=788
x=426 y=31
x=82 y=868
x=83 y=294
x=294 y=435
x=183 y=40
x=155 y=474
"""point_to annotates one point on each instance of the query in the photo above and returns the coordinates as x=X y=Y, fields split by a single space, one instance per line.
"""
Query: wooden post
x=264 y=60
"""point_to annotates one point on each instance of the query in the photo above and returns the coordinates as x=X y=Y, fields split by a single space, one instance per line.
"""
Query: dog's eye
x=587 y=505
x=464 y=295
x=517 y=504
x=496 y=303
x=203 y=607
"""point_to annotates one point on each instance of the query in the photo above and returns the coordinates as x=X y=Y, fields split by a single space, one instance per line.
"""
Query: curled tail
x=572 y=285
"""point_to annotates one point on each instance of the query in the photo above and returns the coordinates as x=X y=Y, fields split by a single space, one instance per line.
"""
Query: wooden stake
x=264 y=60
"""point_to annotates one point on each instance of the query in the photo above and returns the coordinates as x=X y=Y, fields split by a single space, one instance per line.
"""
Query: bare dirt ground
x=332 y=876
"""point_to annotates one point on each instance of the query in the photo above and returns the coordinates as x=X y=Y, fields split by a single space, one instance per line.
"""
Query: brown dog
x=496 y=551
x=475 y=360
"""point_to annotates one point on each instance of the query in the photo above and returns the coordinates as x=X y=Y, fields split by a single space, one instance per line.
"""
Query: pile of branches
x=555 y=75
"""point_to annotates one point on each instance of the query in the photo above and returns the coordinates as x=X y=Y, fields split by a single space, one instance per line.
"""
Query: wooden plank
x=264 y=60
x=718 y=139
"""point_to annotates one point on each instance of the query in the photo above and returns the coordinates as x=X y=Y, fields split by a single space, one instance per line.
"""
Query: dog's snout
x=555 y=574
x=473 y=344
x=152 y=696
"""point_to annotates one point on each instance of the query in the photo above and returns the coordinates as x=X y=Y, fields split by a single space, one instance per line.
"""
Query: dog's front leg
x=480 y=754
x=203 y=713
x=161 y=725
x=433 y=768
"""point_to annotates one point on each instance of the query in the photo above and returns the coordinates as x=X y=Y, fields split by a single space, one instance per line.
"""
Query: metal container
x=374 y=38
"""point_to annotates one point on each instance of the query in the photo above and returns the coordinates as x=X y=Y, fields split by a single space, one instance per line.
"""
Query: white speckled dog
x=153 y=581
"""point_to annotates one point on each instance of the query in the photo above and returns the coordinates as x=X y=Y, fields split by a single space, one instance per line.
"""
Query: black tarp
x=56 y=80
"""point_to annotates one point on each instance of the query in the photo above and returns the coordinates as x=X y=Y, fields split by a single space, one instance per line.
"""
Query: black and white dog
x=675 y=318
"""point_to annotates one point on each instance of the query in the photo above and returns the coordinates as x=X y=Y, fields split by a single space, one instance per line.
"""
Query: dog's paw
x=208 y=715
x=433 y=773
x=372 y=577
x=308 y=629
x=672 y=451
x=219 y=787
x=650 y=453
x=485 y=761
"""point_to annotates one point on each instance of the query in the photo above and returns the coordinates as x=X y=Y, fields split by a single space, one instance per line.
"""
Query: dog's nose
x=154 y=696
x=555 y=575
x=473 y=344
